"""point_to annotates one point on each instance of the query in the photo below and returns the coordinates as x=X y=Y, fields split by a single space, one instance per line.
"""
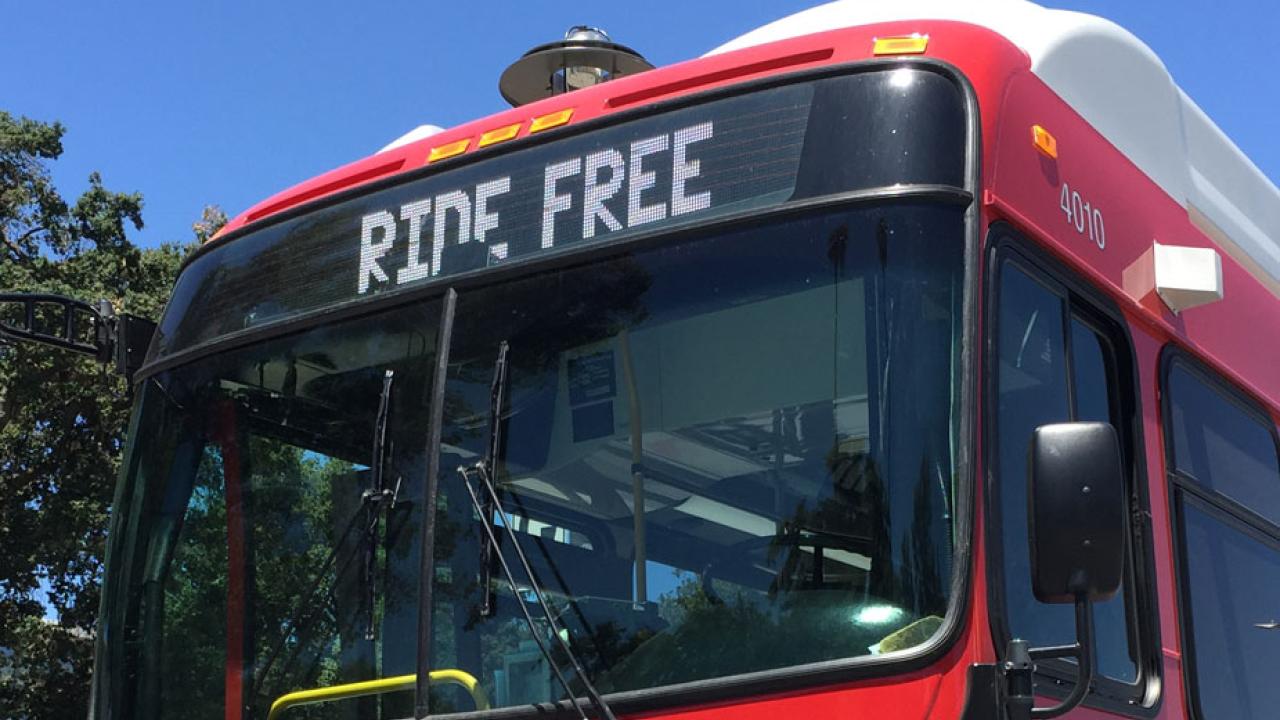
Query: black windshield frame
x=773 y=680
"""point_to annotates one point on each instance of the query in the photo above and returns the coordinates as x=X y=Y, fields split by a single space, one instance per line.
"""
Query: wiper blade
x=376 y=485
x=488 y=603
x=375 y=499
x=489 y=507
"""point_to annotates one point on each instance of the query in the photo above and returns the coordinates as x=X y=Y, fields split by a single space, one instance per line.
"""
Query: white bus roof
x=1121 y=88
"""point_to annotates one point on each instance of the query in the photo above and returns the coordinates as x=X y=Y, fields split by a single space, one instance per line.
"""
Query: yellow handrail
x=378 y=687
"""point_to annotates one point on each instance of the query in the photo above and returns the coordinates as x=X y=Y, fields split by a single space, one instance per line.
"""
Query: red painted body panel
x=1020 y=186
x=1147 y=349
x=1025 y=186
x=1239 y=336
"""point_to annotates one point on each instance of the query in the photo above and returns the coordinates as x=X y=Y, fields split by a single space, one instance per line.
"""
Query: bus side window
x=1225 y=482
x=1053 y=364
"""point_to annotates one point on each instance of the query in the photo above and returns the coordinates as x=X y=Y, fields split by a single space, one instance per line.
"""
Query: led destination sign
x=652 y=174
x=645 y=181
x=659 y=171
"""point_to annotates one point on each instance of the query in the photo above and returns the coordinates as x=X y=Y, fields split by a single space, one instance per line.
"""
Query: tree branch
x=18 y=253
x=31 y=232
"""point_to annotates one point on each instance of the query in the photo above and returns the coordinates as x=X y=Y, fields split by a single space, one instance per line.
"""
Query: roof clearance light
x=550 y=120
x=1044 y=141
x=498 y=135
x=913 y=44
x=448 y=150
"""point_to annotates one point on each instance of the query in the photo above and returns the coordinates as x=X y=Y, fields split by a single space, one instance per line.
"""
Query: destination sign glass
x=660 y=172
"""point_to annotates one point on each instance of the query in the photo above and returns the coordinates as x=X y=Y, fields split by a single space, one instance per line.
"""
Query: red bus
x=907 y=360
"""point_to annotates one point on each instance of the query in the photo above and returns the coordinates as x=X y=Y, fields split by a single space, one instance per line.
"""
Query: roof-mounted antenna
x=585 y=57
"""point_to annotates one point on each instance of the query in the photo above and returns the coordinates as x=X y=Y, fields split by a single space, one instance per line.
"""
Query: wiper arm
x=488 y=507
x=557 y=631
x=479 y=506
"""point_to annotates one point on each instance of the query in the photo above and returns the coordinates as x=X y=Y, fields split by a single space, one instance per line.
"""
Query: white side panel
x=413 y=135
x=1002 y=16
x=1228 y=189
x=1123 y=90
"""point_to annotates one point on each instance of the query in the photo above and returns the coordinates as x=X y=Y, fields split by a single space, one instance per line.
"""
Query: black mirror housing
x=1076 y=514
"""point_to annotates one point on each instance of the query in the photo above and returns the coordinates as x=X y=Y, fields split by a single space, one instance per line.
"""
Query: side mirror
x=1076 y=517
x=1076 y=526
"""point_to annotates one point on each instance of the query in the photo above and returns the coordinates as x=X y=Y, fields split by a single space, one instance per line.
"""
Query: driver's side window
x=1054 y=361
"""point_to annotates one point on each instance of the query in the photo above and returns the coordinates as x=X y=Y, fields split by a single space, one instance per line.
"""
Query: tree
x=62 y=416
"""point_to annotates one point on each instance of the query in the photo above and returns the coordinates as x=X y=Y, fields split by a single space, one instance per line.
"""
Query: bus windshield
x=778 y=404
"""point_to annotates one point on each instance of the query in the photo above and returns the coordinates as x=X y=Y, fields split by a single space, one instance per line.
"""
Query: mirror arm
x=121 y=339
x=1019 y=668
x=65 y=338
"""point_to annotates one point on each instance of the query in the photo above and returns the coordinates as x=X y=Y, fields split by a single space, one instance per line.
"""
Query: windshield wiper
x=497 y=390
x=490 y=507
x=372 y=503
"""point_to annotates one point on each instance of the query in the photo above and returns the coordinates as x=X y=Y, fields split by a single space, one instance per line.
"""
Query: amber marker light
x=550 y=120
x=498 y=135
x=1044 y=142
x=448 y=150
x=913 y=44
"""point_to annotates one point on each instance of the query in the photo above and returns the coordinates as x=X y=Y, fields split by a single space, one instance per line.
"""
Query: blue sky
x=226 y=103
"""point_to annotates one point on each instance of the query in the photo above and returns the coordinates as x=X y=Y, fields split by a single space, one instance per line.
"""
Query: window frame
x=1096 y=310
x=1223 y=509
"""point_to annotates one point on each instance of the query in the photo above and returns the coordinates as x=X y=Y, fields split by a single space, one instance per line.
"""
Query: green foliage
x=62 y=418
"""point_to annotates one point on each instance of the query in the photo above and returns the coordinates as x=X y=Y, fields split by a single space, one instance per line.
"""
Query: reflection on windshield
x=721 y=456
x=261 y=557
x=776 y=404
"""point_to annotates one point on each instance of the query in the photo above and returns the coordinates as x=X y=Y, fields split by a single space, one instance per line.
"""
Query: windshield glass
x=730 y=453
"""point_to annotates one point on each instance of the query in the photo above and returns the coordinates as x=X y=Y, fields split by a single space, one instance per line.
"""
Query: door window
x=1054 y=364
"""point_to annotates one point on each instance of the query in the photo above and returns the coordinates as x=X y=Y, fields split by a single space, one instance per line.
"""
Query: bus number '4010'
x=1082 y=216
